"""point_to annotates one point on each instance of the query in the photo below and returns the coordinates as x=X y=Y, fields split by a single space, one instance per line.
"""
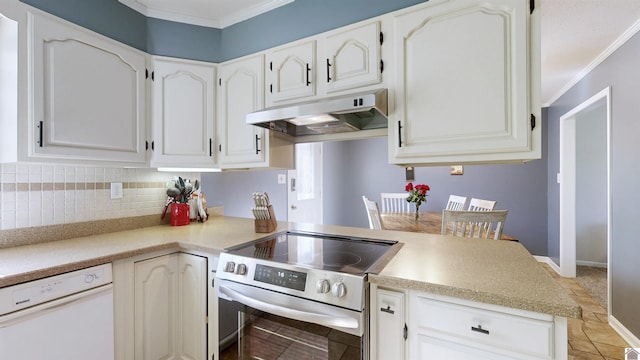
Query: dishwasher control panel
x=36 y=292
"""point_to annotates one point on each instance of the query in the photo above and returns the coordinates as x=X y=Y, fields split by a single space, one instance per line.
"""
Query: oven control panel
x=320 y=285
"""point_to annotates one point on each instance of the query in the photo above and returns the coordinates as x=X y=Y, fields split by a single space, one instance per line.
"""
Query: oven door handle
x=288 y=312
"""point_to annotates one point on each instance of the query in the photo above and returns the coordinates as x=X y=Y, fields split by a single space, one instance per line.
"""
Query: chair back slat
x=473 y=224
x=456 y=202
x=373 y=213
x=395 y=203
x=481 y=205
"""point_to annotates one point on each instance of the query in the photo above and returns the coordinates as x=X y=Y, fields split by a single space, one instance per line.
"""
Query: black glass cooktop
x=317 y=251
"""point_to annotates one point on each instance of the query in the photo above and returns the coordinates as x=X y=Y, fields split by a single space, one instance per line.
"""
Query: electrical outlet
x=282 y=179
x=116 y=190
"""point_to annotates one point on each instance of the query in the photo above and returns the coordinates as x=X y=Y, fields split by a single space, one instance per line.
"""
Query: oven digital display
x=286 y=278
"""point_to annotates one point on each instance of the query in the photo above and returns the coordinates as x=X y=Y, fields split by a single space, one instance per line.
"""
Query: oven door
x=272 y=325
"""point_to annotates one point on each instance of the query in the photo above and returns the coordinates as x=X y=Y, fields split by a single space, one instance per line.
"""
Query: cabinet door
x=156 y=308
x=88 y=95
x=170 y=307
x=192 y=304
x=389 y=322
x=183 y=113
x=290 y=73
x=462 y=85
x=352 y=58
x=241 y=92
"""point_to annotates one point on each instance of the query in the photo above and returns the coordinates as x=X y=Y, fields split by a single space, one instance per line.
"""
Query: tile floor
x=590 y=338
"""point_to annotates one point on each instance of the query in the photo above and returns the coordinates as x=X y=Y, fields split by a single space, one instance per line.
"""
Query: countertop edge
x=569 y=311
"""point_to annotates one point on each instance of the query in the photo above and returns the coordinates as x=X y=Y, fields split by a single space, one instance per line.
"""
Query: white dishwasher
x=67 y=316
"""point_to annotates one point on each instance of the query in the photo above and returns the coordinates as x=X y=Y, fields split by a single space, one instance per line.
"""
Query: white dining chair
x=473 y=224
x=481 y=205
x=373 y=213
x=395 y=203
x=456 y=202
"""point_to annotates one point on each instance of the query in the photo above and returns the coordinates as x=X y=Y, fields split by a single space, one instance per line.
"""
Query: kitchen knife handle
x=328 y=71
x=308 y=73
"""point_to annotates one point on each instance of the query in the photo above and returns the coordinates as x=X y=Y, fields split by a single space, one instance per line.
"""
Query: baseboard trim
x=624 y=332
x=592 y=264
x=548 y=261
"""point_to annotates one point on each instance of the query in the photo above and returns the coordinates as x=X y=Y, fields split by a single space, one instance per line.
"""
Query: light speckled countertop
x=494 y=272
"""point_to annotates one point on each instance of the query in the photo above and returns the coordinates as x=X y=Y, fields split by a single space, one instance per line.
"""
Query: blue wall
x=621 y=72
x=360 y=167
x=294 y=21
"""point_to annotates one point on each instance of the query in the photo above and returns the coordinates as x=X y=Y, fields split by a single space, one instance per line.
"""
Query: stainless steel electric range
x=291 y=282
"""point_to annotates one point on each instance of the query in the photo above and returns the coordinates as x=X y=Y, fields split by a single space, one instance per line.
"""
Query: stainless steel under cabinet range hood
x=362 y=111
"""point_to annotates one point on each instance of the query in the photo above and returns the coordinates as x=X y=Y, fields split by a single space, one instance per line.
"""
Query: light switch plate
x=282 y=179
x=116 y=190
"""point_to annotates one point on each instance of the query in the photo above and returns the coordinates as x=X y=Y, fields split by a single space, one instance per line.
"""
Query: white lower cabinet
x=388 y=332
x=161 y=307
x=441 y=327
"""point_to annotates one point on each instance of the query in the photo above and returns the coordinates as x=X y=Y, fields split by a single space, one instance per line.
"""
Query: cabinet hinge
x=405 y=332
x=381 y=66
x=532 y=6
x=40 y=130
x=381 y=38
x=533 y=121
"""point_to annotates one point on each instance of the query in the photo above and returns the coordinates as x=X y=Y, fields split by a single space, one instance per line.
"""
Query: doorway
x=304 y=185
x=572 y=178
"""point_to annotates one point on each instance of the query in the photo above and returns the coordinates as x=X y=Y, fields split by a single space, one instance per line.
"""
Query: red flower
x=409 y=187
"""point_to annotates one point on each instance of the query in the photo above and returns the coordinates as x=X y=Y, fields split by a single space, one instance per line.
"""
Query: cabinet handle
x=210 y=147
x=399 y=134
x=328 y=71
x=257 y=142
x=308 y=73
x=40 y=126
x=480 y=329
x=387 y=310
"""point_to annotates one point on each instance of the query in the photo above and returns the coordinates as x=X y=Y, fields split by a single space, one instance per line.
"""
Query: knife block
x=268 y=225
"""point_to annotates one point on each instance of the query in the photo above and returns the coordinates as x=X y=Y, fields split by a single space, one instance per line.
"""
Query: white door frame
x=567 y=181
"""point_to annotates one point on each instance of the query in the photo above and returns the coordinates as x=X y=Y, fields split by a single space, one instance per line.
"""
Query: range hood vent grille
x=362 y=111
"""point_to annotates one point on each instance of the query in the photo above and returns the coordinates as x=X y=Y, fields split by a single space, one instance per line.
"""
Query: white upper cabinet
x=241 y=92
x=290 y=73
x=336 y=61
x=88 y=95
x=244 y=146
x=183 y=113
x=351 y=58
x=463 y=89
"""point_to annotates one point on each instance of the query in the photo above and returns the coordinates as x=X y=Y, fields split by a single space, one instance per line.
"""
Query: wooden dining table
x=428 y=222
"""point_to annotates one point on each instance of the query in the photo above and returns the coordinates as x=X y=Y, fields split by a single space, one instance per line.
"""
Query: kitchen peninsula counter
x=494 y=272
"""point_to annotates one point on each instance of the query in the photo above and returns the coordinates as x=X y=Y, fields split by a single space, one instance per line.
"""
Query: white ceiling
x=210 y=13
x=576 y=34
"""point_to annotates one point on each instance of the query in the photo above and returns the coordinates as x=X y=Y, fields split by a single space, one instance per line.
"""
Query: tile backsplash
x=50 y=194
